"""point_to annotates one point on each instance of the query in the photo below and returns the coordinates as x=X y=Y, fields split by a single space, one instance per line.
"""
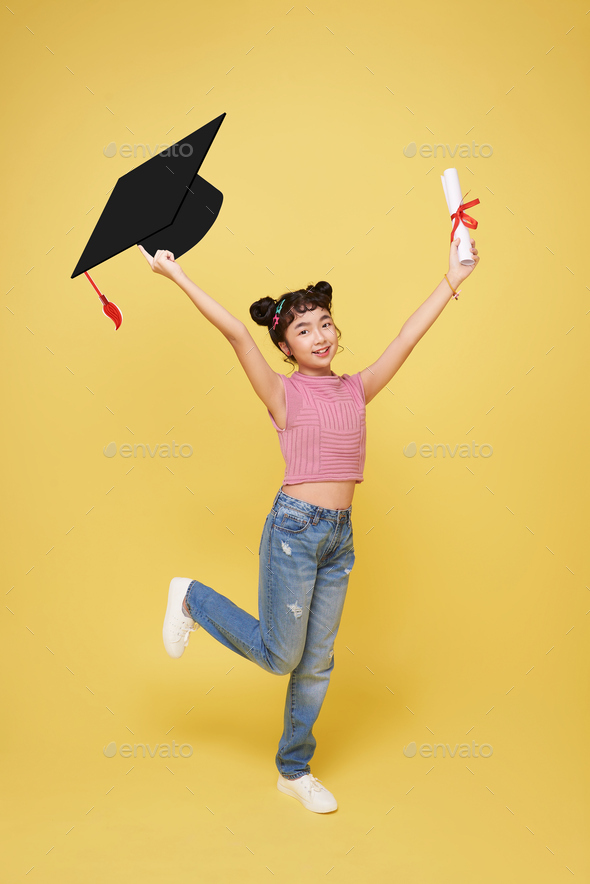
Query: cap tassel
x=108 y=308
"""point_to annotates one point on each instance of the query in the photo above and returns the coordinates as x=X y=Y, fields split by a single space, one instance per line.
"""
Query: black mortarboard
x=161 y=204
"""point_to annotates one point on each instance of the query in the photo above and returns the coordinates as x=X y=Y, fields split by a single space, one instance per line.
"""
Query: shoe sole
x=286 y=791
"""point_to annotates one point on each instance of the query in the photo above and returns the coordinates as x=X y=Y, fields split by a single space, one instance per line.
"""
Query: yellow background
x=466 y=617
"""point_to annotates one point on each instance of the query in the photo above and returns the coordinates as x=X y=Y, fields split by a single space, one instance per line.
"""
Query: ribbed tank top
x=324 y=438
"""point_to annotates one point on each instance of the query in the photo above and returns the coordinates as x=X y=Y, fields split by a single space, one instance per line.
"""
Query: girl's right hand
x=163 y=263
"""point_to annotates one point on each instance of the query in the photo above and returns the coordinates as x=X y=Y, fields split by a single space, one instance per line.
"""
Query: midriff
x=331 y=495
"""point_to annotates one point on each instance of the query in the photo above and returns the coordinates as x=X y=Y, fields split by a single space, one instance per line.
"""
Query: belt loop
x=317 y=515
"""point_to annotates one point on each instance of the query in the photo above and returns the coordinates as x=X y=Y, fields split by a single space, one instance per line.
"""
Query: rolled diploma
x=452 y=189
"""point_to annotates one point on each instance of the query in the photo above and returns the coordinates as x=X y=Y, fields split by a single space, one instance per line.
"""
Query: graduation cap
x=161 y=204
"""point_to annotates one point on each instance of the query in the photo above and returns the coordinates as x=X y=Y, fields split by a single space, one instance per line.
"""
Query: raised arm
x=378 y=375
x=266 y=382
x=163 y=263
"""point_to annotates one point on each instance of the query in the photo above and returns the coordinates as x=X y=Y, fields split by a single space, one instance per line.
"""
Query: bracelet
x=455 y=293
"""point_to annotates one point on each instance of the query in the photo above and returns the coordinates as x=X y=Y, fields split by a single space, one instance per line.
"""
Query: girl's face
x=312 y=340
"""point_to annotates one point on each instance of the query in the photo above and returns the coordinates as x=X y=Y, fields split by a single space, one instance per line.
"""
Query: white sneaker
x=177 y=626
x=310 y=792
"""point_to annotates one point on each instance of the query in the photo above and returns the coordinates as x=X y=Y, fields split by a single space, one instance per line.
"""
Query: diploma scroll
x=452 y=189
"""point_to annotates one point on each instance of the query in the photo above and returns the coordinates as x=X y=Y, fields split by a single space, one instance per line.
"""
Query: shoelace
x=180 y=626
x=314 y=783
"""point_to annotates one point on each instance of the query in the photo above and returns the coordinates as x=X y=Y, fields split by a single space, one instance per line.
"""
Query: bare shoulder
x=266 y=382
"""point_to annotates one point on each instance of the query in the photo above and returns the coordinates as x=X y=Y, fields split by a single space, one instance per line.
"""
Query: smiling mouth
x=321 y=352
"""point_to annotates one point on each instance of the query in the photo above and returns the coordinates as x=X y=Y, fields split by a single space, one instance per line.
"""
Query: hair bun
x=324 y=288
x=262 y=311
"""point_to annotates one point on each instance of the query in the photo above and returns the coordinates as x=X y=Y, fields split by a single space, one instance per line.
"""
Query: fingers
x=146 y=255
x=160 y=262
x=163 y=255
x=474 y=251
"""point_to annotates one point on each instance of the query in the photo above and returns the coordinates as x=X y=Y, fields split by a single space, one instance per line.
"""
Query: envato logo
x=465 y=451
x=130 y=150
x=465 y=150
x=126 y=750
x=426 y=750
x=166 y=450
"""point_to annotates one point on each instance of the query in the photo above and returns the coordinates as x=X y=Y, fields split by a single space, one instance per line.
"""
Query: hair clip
x=278 y=310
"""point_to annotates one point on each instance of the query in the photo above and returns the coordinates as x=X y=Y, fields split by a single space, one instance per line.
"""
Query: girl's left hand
x=458 y=271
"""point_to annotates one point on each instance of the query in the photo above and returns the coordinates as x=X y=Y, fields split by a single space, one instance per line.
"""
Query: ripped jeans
x=306 y=554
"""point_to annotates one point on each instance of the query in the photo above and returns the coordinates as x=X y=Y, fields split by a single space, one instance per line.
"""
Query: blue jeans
x=306 y=555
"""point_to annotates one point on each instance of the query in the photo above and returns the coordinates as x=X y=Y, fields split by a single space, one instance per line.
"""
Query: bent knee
x=283 y=666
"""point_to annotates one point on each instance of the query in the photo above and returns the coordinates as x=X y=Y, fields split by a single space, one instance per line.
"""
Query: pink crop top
x=324 y=439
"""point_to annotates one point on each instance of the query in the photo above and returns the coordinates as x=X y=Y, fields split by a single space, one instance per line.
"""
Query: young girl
x=307 y=549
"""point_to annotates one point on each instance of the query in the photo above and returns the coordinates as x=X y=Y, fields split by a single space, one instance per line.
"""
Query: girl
x=307 y=549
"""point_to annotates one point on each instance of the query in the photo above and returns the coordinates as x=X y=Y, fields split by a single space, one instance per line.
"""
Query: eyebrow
x=299 y=324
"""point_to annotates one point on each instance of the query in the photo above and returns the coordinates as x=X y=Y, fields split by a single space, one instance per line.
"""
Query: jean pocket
x=292 y=520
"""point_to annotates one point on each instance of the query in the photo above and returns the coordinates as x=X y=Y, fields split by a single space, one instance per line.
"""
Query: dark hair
x=295 y=304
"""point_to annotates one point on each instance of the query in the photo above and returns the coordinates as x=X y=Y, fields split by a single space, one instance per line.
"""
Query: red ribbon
x=460 y=215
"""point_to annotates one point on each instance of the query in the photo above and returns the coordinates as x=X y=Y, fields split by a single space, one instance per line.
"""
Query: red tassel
x=108 y=308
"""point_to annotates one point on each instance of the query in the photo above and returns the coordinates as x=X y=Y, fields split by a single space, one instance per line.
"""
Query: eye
x=327 y=322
